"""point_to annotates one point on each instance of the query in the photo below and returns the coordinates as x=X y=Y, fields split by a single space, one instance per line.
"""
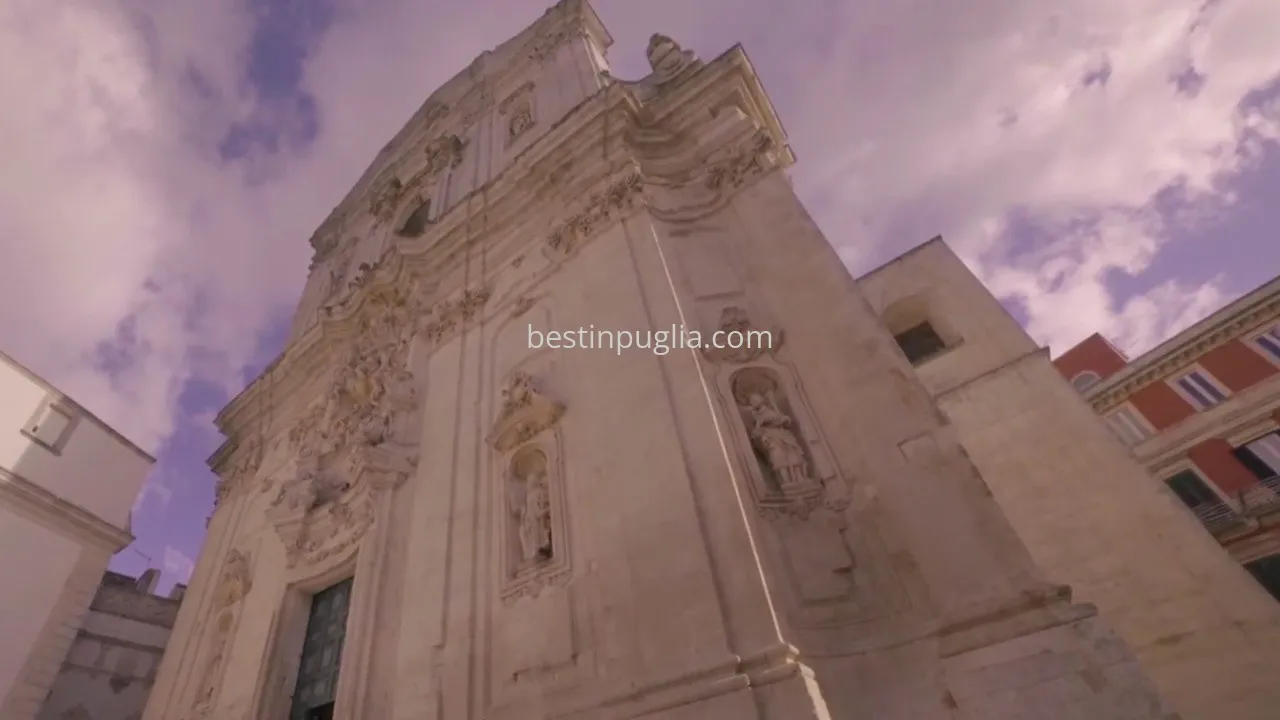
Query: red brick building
x=1202 y=412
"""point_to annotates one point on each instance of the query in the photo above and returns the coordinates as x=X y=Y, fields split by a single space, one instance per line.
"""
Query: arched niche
x=774 y=431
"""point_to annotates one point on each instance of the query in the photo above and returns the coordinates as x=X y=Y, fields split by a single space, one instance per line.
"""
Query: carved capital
x=382 y=468
x=526 y=411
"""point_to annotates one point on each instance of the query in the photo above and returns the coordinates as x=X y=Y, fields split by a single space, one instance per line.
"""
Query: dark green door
x=321 y=654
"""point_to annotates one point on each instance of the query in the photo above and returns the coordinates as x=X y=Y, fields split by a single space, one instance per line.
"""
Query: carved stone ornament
x=737 y=329
x=755 y=160
x=793 y=487
x=616 y=201
x=451 y=316
x=536 y=558
x=234 y=583
x=326 y=239
x=240 y=471
x=441 y=154
x=525 y=412
x=545 y=44
x=667 y=59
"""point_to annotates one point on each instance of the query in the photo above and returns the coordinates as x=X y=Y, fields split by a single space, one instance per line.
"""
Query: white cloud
x=153 y=488
x=114 y=206
x=177 y=565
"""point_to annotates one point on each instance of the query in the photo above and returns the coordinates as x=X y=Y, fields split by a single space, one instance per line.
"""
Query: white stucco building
x=108 y=673
x=67 y=485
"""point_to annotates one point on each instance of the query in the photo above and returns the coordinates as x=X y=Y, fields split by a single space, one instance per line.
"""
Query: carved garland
x=452 y=316
x=614 y=203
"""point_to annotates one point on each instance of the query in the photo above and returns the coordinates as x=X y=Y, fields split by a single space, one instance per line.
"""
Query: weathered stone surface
x=540 y=533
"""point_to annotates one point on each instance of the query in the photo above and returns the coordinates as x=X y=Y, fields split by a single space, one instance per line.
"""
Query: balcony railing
x=1262 y=498
x=1253 y=502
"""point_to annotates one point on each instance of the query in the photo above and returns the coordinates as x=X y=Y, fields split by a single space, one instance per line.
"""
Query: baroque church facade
x=421 y=517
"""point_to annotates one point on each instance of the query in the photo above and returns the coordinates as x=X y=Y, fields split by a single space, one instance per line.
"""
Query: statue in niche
x=667 y=58
x=529 y=499
x=773 y=432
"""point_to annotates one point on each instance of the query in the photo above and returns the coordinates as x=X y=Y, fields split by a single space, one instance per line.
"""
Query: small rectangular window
x=49 y=426
x=1191 y=490
x=1200 y=390
x=1269 y=343
x=920 y=343
x=1126 y=423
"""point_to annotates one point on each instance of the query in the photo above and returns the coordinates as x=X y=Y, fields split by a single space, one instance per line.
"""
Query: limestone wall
x=1088 y=511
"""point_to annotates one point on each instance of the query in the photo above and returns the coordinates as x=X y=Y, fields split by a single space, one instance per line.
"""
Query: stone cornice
x=1231 y=322
x=575 y=159
x=32 y=501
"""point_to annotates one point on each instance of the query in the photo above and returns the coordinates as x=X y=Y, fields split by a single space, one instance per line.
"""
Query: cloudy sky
x=1113 y=166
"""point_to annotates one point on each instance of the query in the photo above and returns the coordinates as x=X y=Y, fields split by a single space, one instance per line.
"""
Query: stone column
x=381 y=471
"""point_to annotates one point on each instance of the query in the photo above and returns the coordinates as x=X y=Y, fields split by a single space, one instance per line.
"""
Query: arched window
x=416 y=223
x=1085 y=380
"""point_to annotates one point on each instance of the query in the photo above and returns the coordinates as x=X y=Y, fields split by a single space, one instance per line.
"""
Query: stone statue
x=667 y=58
x=771 y=431
x=533 y=513
x=337 y=276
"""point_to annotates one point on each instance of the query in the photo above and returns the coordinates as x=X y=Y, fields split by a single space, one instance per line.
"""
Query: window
x=1269 y=342
x=49 y=427
x=416 y=224
x=1261 y=456
x=1267 y=572
x=1199 y=388
x=1191 y=490
x=313 y=698
x=1128 y=424
x=920 y=343
x=1085 y=380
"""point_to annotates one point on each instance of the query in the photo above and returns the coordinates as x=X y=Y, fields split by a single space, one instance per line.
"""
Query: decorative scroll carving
x=667 y=59
x=441 y=154
x=326 y=239
x=613 y=203
x=755 y=342
x=339 y=268
x=233 y=585
x=792 y=487
x=535 y=560
x=758 y=157
x=525 y=412
x=452 y=315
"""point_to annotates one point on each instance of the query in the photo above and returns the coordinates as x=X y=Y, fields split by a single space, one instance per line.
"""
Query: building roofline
x=935 y=240
x=50 y=388
x=1265 y=297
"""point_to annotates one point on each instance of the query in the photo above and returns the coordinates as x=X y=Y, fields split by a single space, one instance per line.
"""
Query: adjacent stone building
x=1202 y=413
x=67 y=486
x=108 y=673
x=421 y=516
x=1089 y=512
